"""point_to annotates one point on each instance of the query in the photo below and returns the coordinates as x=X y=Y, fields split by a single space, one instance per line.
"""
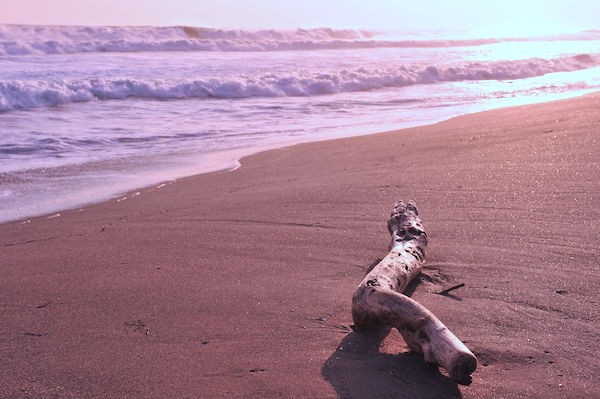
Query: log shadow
x=357 y=369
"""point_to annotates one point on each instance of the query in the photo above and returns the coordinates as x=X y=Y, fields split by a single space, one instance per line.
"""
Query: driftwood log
x=378 y=299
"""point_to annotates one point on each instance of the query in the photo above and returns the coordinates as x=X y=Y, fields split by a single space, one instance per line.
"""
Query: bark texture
x=378 y=299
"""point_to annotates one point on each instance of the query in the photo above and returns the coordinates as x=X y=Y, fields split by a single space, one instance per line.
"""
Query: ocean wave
x=33 y=39
x=24 y=94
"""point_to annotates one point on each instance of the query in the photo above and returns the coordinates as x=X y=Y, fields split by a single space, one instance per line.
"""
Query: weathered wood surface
x=378 y=299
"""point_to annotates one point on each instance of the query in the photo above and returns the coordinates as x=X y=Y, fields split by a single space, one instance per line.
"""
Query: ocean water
x=87 y=113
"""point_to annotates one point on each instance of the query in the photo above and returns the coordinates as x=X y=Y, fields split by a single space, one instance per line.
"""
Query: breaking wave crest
x=33 y=39
x=23 y=94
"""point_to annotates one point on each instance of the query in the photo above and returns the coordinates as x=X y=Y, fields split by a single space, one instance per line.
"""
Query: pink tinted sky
x=492 y=16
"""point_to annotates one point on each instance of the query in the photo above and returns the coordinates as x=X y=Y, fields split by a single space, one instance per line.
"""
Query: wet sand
x=238 y=284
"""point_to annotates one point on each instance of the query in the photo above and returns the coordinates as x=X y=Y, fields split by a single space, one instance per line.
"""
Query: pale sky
x=508 y=17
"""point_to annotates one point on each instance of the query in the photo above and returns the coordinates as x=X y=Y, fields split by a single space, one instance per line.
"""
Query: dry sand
x=238 y=284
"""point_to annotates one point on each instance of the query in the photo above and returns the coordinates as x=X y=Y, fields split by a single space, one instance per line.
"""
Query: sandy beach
x=238 y=284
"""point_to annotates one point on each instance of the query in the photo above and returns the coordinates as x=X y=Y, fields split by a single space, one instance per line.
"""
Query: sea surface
x=87 y=113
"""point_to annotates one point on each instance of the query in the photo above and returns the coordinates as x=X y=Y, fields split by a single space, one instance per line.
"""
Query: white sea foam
x=32 y=39
x=24 y=94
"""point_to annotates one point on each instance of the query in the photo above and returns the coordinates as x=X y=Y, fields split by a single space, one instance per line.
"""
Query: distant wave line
x=32 y=39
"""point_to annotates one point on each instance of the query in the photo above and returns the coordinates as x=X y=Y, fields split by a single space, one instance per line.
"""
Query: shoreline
x=182 y=165
x=190 y=165
x=239 y=284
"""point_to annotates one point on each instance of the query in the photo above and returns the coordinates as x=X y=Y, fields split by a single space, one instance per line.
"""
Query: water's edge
x=188 y=166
